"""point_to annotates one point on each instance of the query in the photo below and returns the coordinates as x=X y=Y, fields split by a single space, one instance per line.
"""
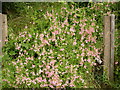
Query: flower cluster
x=61 y=55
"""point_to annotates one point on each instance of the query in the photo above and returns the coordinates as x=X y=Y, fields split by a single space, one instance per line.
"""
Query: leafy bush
x=117 y=43
x=58 y=50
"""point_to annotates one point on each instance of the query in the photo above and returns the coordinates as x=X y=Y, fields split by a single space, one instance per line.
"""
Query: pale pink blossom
x=46 y=72
x=18 y=47
x=80 y=32
x=30 y=35
x=53 y=62
x=33 y=66
x=45 y=41
x=50 y=74
x=74 y=43
x=94 y=64
x=26 y=26
x=48 y=67
x=92 y=29
x=93 y=24
x=89 y=60
x=51 y=57
x=41 y=35
x=44 y=80
x=73 y=34
x=51 y=86
x=14 y=63
x=85 y=67
x=72 y=29
x=93 y=39
x=109 y=13
x=81 y=64
x=116 y=62
x=55 y=32
x=6 y=40
x=62 y=49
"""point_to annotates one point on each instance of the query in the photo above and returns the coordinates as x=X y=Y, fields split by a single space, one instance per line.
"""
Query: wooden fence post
x=112 y=47
x=3 y=30
x=0 y=34
x=109 y=46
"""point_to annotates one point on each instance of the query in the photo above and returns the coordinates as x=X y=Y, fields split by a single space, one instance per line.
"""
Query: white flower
x=40 y=71
x=98 y=60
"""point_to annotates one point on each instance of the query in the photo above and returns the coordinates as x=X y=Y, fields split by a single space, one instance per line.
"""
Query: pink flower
x=84 y=24
x=53 y=39
x=51 y=86
x=72 y=29
x=88 y=31
x=33 y=66
x=73 y=34
x=93 y=24
x=62 y=39
x=50 y=74
x=67 y=67
x=46 y=72
x=94 y=64
x=55 y=32
x=93 y=39
x=80 y=32
x=116 y=62
x=51 y=57
x=92 y=29
x=82 y=54
x=53 y=61
x=45 y=85
x=108 y=13
x=45 y=41
x=42 y=35
x=44 y=80
x=48 y=67
x=14 y=63
x=63 y=25
x=34 y=81
x=62 y=49
x=74 y=43
x=85 y=67
x=82 y=44
x=18 y=48
x=89 y=60
x=26 y=26
x=86 y=41
x=6 y=40
x=30 y=35
x=81 y=64
x=39 y=79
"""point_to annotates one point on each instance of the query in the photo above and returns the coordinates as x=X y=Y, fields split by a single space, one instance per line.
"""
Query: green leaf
x=12 y=53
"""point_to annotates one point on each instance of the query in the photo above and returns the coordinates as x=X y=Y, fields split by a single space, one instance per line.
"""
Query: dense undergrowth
x=56 y=45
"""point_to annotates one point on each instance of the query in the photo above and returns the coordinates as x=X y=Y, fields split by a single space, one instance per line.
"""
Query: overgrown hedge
x=58 y=49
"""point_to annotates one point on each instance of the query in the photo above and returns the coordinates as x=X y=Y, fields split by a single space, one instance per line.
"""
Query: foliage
x=58 y=48
x=117 y=42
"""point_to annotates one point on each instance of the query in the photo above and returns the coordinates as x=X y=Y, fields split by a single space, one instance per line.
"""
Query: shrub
x=58 y=51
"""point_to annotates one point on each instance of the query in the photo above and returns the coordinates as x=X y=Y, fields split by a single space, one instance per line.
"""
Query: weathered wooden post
x=109 y=27
x=3 y=30
x=112 y=46
x=0 y=34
